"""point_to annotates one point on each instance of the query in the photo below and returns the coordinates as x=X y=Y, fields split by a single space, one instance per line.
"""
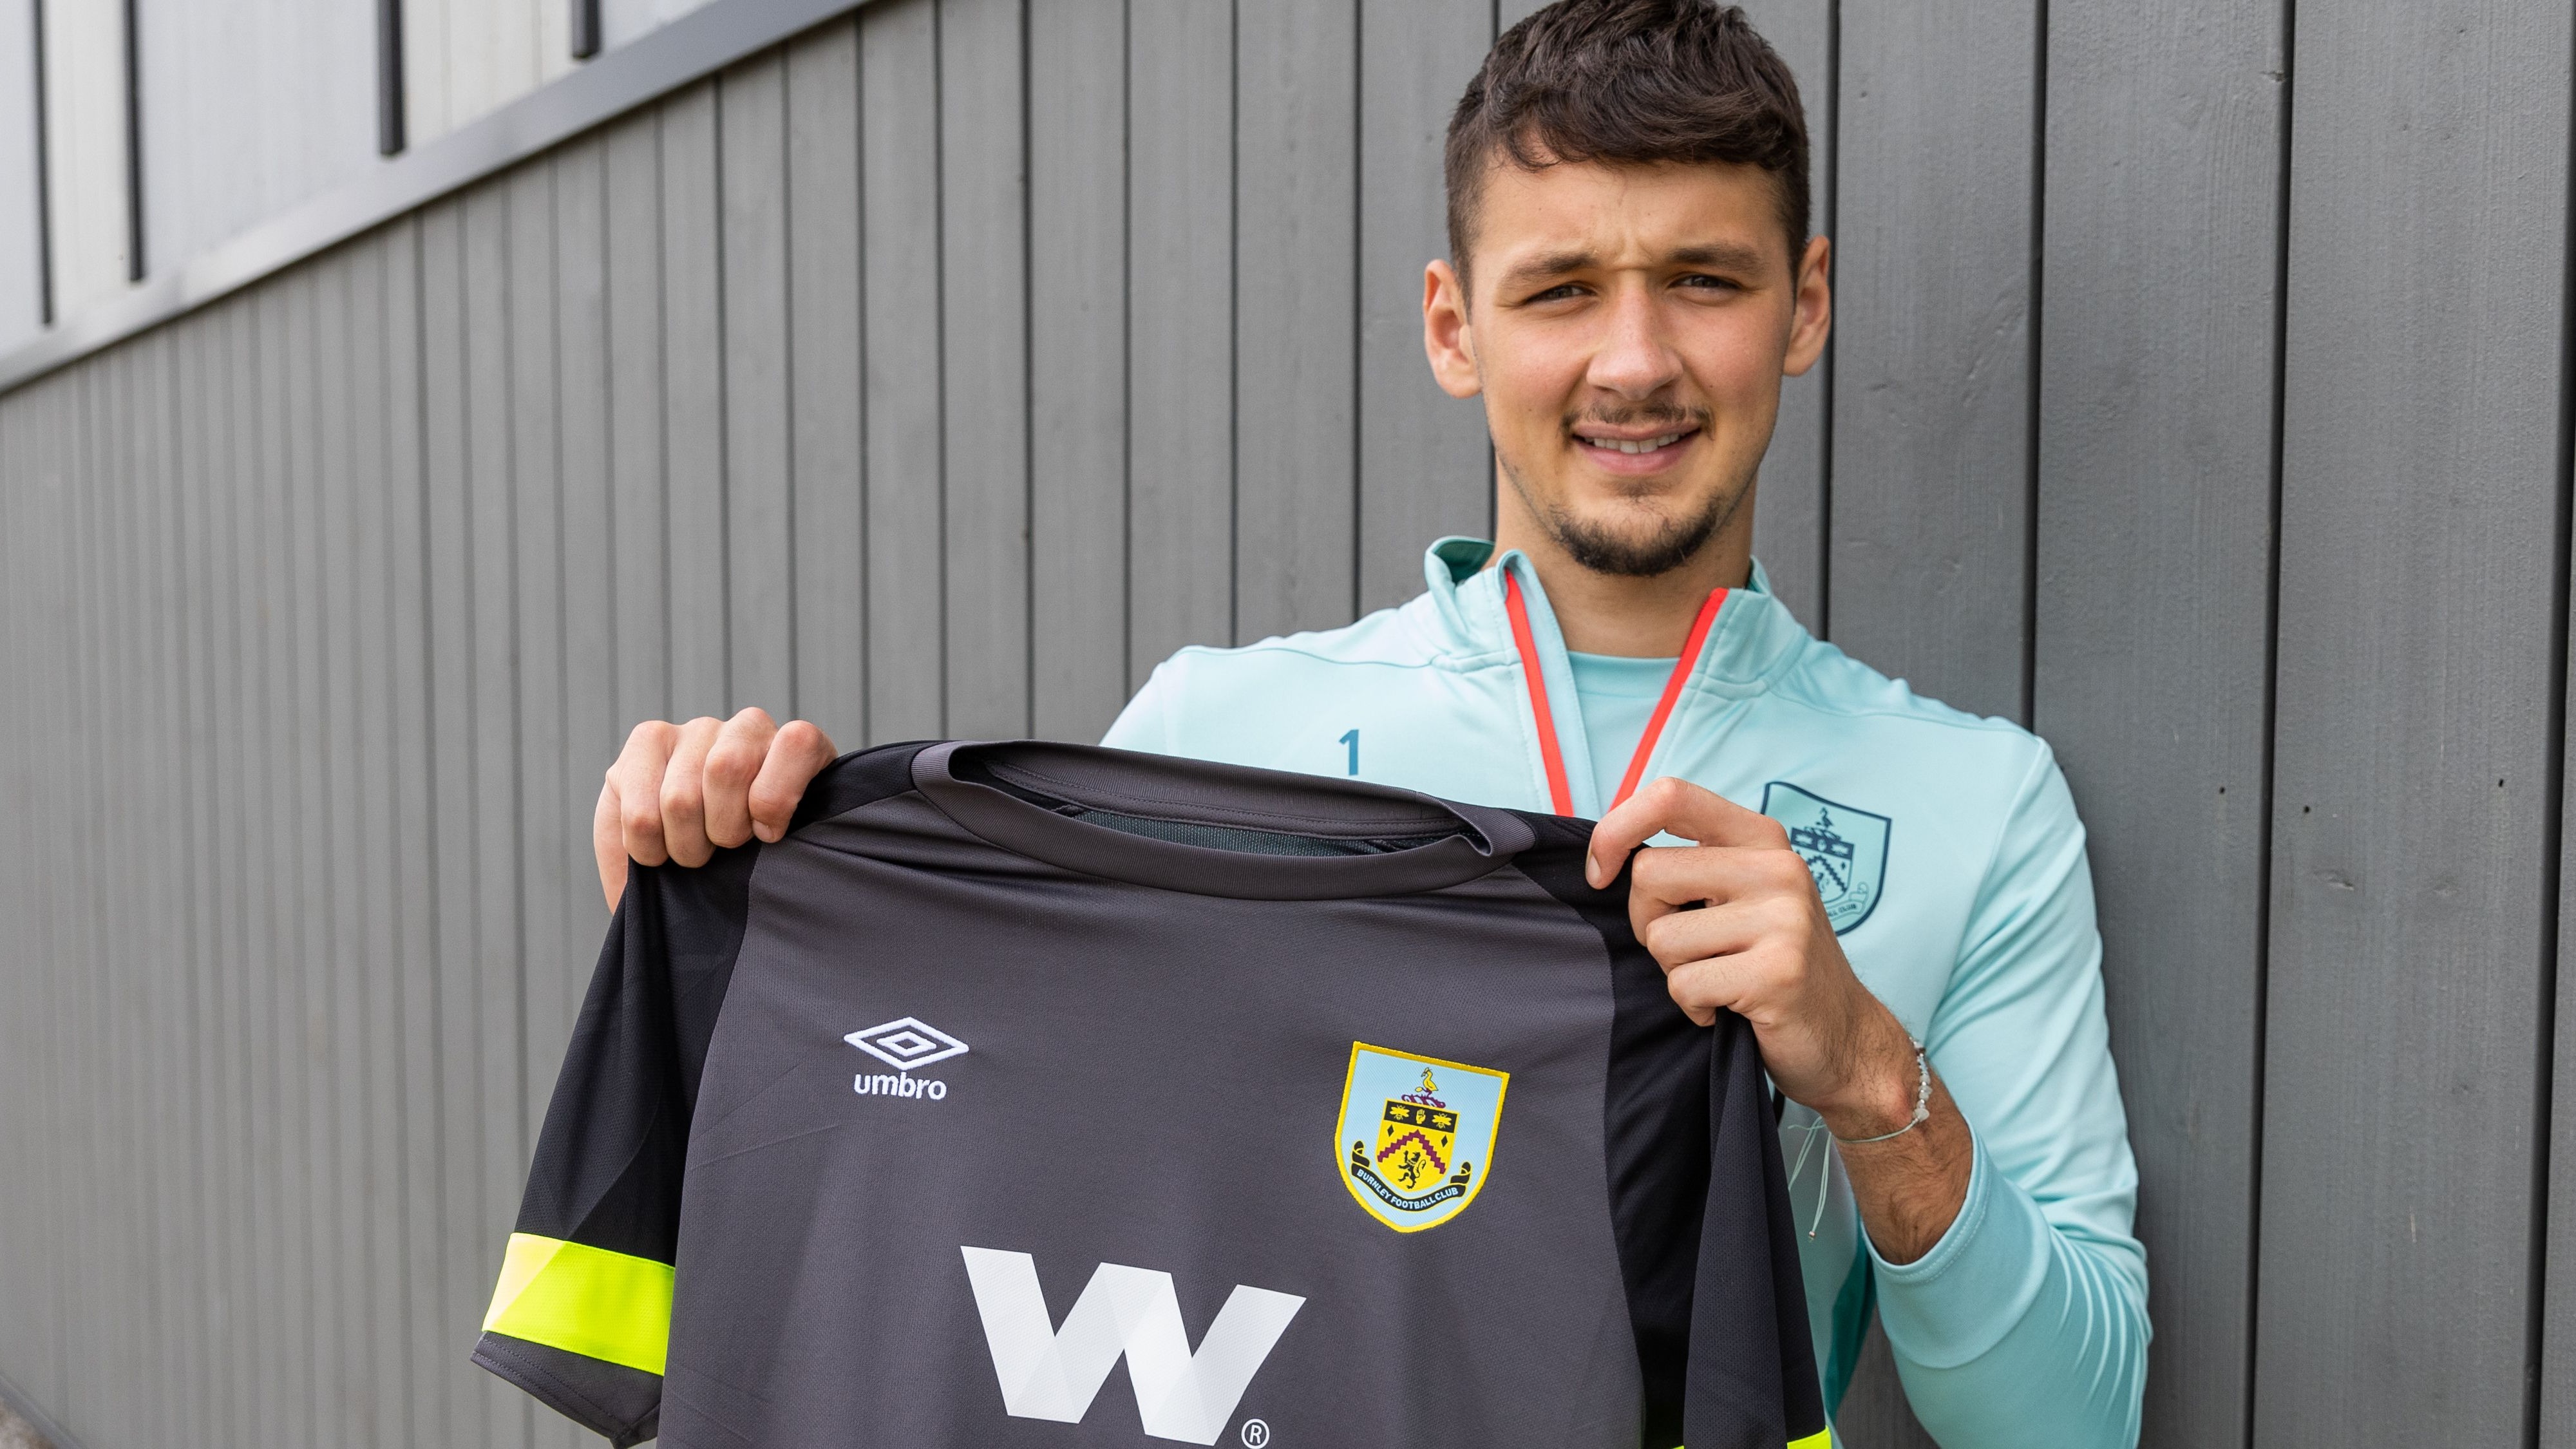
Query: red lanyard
x=1559 y=793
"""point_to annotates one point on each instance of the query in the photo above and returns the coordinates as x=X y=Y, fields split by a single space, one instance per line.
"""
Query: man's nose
x=1635 y=360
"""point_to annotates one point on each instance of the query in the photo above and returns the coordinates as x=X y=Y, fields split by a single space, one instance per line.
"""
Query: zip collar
x=1751 y=641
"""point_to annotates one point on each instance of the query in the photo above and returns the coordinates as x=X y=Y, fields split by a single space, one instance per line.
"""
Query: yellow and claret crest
x=1417 y=1134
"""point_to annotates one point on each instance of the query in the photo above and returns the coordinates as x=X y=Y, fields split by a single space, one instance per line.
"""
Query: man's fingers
x=799 y=752
x=684 y=802
x=733 y=762
x=1723 y=930
x=1675 y=807
x=1743 y=982
x=608 y=843
x=1666 y=879
x=637 y=780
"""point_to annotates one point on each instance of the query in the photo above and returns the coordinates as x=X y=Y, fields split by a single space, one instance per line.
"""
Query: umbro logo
x=905 y=1043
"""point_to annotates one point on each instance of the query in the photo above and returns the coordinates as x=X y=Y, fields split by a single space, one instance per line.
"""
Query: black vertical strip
x=1825 y=383
x=133 y=141
x=2535 y=1338
x=390 y=103
x=2030 y=404
x=2271 y=703
x=44 y=176
x=585 y=28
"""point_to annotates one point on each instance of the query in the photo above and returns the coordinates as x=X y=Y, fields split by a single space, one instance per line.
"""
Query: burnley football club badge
x=1845 y=850
x=1417 y=1135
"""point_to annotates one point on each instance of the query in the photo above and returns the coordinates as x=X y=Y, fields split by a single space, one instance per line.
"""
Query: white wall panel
x=249 y=107
x=623 y=20
x=85 y=149
x=463 y=58
x=22 y=279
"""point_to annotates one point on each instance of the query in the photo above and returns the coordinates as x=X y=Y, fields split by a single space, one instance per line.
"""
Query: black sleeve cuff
x=625 y=1404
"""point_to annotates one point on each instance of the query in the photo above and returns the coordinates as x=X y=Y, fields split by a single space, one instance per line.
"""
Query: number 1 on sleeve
x=1352 y=739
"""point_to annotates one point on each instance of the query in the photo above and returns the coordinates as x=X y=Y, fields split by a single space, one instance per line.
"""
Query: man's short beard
x=1672 y=544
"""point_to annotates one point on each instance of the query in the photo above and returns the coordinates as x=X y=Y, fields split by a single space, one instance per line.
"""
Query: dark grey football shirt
x=1039 y=1095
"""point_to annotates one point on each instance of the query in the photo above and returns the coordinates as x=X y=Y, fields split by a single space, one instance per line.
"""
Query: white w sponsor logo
x=1054 y=1373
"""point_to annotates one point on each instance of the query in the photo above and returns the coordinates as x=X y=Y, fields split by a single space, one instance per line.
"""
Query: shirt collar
x=1754 y=637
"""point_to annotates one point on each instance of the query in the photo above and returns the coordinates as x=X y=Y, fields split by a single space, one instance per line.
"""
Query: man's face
x=1628 y=330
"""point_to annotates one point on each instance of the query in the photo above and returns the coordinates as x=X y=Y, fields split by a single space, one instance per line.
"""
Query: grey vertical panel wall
x=2422 y=585
x=943 y=369
x=2152 y=608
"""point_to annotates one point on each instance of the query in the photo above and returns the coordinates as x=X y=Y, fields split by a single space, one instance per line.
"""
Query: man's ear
x=1813 y=320
x=1446 y=337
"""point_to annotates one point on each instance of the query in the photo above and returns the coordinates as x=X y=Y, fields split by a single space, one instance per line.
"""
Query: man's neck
x=1641 y=618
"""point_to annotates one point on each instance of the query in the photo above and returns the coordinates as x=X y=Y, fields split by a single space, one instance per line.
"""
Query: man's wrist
x=1882 y=1090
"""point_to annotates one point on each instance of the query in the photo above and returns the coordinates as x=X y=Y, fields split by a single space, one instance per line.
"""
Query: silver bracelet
x=1922 y=1103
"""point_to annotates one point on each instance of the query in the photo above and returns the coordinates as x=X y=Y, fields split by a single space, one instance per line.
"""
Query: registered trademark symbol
x=1255 y=1434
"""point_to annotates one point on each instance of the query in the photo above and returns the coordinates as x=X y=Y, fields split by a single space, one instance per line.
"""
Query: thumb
x=608 y=845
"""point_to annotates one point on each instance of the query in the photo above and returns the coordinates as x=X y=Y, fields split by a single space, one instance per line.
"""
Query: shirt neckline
x=954 y=777
x=1620 y=676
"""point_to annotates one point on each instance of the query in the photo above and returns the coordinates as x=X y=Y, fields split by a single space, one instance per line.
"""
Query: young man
x=1630 y=278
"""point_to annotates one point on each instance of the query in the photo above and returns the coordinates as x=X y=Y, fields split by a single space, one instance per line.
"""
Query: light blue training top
x=1949 y=857
x=1617 y=696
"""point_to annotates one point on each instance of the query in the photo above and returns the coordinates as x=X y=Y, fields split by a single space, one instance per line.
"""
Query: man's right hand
x=677 y=792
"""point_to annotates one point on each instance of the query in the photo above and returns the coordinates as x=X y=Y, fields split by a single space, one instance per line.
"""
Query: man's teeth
x=1635 y=445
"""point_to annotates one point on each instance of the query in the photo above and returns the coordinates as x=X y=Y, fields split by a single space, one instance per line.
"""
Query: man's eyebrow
x=1728 y=256
x=1552 y=264
x=1733 y=256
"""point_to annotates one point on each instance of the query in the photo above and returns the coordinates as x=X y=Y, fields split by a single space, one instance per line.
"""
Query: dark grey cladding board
x=759 y=557
x=1425 y=467
x=483 y=902
x=1296 y=389
x=639 y=479
x=694 y=437
x=984 y=431
x=1181 y=199
x=1928 y=491
x=826 y=408
x=899 y=211
x=1078 y=367
x=949 y=366
x=2157 y=385
x=1932 y=373
x=1796 y=484
x=2421 y=597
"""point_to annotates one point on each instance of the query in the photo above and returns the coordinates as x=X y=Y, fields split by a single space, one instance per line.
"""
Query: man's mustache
x=1669 y=419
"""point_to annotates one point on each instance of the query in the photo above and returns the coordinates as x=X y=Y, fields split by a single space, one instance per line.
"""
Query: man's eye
x=1558 y=293
x=1703 y=280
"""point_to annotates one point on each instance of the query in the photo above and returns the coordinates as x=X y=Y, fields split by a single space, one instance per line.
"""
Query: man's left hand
x=1736 y=924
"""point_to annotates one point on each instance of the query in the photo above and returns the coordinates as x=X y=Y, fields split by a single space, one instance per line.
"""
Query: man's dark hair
x=1629 y=82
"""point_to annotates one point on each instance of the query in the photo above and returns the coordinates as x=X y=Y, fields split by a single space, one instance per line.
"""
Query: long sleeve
x=2027 y=1322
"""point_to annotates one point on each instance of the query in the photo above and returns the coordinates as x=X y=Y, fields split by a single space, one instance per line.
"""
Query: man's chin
x=1631 y=549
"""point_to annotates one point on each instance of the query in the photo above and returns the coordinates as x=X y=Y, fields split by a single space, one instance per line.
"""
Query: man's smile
x=1629 y=450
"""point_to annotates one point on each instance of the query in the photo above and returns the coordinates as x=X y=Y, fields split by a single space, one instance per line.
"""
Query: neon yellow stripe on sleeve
x=1821 y=1439
x=584 y=1300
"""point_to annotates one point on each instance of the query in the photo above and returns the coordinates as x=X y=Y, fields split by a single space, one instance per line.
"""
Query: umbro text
x=890 y=1085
